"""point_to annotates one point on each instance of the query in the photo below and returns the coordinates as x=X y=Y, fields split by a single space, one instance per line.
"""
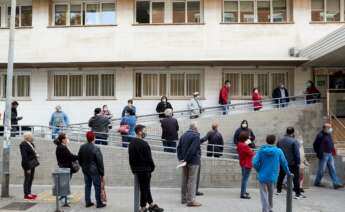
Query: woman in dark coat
x=245 y=128
x=162 y=106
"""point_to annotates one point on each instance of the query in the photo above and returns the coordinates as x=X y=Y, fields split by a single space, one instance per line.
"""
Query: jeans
x=101 y=139
x=296 y=185
x=28 y=178
x=144 y=179
x=244 y=182
x=266 y=196
x=55 y=132
x=327 y=160
x=225 y=109
x=96 y=181
x=170 y=146
x=188 y=185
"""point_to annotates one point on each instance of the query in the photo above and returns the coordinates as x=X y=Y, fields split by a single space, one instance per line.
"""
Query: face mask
x=282 y=86
x=164 y=100
x=330 y=130
x=143 y=135
x=308 y=85
x=256 y=91
x=244 y=125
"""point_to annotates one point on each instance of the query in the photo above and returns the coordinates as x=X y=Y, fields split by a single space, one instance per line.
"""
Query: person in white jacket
x=195 y=106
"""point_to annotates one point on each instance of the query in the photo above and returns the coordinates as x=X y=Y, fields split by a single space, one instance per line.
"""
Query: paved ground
x=214 y=200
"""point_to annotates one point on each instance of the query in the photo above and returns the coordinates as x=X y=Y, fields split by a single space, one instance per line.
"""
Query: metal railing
x=338 y=126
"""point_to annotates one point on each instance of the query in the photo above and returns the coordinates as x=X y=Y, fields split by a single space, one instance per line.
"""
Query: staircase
x=338 y=125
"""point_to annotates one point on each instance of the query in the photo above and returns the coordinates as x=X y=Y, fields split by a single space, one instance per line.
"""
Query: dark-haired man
x=100 y=125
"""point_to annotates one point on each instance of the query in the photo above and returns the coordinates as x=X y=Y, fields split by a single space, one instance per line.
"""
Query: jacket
x=323 y=144
x=140 y=157
x=170 y=129
x=131 y=121
x=64 y=157
x=312 y=94
x=257 y=101
x=195 y=107
x=99 y=124
x=91 y=160
x=238 y=132
x=126 y=108
x=59 y=119
x=290 y=148
x=188 y=149
x=246 y=155
x=161 y=107
x=29 y=156
x=14 y=116
x=267 y=162
x=276 y=94
x=224 y=95
x=215 y=143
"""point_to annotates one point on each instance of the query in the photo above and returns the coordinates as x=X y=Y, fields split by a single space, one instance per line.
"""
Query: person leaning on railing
x=313 y=95
x=280 y=96
x=58 y=120
x=215 y=140
x=162 y=106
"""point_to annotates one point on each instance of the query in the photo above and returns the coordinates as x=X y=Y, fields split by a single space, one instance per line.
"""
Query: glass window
x=108 y=13
x=150 y=86
x=60 y=15
x=23 y=86
x=230 y=11
x=193 y=83
x=92 y=85
x=263 y=84
x=138 y=85
x=143 y=12
x=179 y=12
x=92 y=13
x=276 y=79
x=234 y=79
x=157 y=12
x=247 y=11
x=193 y=11
x=75 y=14
x=163 y=85
x=247 y=84
x=60 y=85
x=279 y=10
x=5 y=86
x=317 y=10
x=107 y=85
x=75 y=85
x=26 y=16
x=17 y=16
x=176 y=84
x=333 y=10
x=264 y=11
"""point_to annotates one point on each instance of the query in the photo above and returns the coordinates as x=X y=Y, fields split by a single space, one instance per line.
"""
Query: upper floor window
x=327 y=10
x=164 y=11
x=78 y=13
x=256 y=11
x=23 y=14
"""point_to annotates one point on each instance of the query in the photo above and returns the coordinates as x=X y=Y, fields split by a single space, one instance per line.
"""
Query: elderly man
x=58 y=120
x=189 y=153
x=195 y=106
x=324 y=149
x=215 y=142
x=29 y=163
x=170 y=130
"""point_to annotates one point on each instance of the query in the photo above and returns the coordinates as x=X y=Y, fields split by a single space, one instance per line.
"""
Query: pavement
x=120 y=199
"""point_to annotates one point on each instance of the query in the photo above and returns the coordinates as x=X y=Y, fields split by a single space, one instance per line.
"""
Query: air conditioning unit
x=293 y=52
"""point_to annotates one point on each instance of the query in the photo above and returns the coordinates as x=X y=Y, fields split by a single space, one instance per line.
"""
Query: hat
x=90 y=136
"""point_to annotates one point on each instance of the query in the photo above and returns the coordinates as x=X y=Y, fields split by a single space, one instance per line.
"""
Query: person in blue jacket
x=58 y=121
x=131 y=120
x=267 y=162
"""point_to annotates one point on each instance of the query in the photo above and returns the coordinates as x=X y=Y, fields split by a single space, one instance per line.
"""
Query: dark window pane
x=231 y=11
x=193 y=11
x=179 y=12
x=247 y=11
x=317 y=10
x=143 y=12
x=333 y=10
x=60 y=14
x=279 y=10
x=264 y=11
x=26 y=17
x=75 y=14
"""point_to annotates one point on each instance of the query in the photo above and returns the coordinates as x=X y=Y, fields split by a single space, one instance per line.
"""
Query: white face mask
x=244 y=125
x=330 y=130
x=256 y=91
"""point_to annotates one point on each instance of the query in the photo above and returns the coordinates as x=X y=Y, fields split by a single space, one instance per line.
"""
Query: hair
x=104 y=106
x=193 y=126
x=59 y=139
x=255 y=89
x=271 y=139
x=244 y=121
x=168 y=112
x=326 y=125
x=58 y=107
x=90 y=136
x=243 y=136
x=164 y=97
x=290 y=131
x=130 y=101
x=214 y=125
x=130 y=111
x=139 y=128
x=97 y=110
x=27 y=135
x=15 y=103
x=227 y=81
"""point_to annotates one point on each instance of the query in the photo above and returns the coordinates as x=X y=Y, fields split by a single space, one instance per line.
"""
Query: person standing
x=162 y=106
x=324 y=149
x=224 y=96
x=142 y=165
x=170 y=130
x=290 y=147
x=99 y=124
x=189 y=153
x=14 y=118
x=267 y=162
x=280 y=96
x=29 y=163
x=106 y=112
x=304 y=162
x=91 y=161
x=257 y=99
x=215 y=140
x=58 y=121
x=127 y=107
x=195 y=106
x=130 y=121
x=246 y=155
x=244 y=128
x=313 y=95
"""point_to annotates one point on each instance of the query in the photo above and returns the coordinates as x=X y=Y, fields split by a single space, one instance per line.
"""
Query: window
x=179 y=12
x=173 y=84
x=21 y=85
x=157 y=12
x=149 y=12
x=327 y=10
x=193 y=11
x=255 y=11
x=70 y=13
x=186 y=11
x=82 y=85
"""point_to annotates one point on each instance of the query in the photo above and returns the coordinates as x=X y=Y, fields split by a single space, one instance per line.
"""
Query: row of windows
x=80 y=13
x=147 y=84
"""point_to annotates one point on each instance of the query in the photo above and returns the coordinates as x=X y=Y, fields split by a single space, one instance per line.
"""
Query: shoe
x=193 y=204
x=89 y=204
x=245 y=197
x=32 y=196
x=302 y=190
x=318 y=185
x=247 y=194
x=101 y=205
x=28 y=197
x=278 y=193
x=184 y=202
x=301 y=196
x=155 y=208
x=338 y=186
x=199 y=193
x=143 y=210
x=297 y=197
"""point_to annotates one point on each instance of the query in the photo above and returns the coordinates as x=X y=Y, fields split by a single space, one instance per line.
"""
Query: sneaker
x=32 y=196
x=279 y=193
x=193 y=204
x=303 y=196
x=338 y=186
x=28 y=197
x=155 y=208
x=245 y=197
x=101 y=205
x=199 y=193
x=89 y=204
x=297 y=197
x=302 y=190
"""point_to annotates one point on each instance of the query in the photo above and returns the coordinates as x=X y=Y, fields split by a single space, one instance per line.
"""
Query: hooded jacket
x=240 y=129
x=267 y=162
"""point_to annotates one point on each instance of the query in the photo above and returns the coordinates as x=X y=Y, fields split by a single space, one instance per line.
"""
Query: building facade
x=86 y=53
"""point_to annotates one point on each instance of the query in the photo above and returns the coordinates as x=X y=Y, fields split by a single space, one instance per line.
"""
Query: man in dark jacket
x=142 y=165
x=324 y=149
x=162 y=106
x=100 y=125
x=290 y=147
x=91 y=161
x=245 y=127
x=280 y=96
x=189 y=153
x=14 y=118
x=128 y=106
x=29 y=163
x=170 y=130
x=215 y=142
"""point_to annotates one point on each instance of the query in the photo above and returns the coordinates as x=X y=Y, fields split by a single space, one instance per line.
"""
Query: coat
x=99 y=124
x=188 y=149
x=224 y=95
x=64 y=157
x=246 y=155
x=238 y=132
x=290 y=148
x=195 y=107
x=126 y=108
x=59 y=119
x=29 y=156
x=276 y=95
x=131 y=121
x=257 y=101
x=140 y=157
x=323 y=144
x=170 y=129
x=91 y=160
x=161 y=107
x=215 y=144
x=313 y=94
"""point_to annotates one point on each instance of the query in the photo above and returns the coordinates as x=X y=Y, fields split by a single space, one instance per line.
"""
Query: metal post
x=289 y=194
x=7 y=125
x=57 y=184
x=136 y=194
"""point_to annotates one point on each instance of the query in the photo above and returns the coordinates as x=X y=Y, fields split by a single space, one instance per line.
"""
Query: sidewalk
x=120 y=199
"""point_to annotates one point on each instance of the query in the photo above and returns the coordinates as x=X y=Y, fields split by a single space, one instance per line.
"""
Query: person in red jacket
x=224 y=96
x=257 y=99
x=246 y=155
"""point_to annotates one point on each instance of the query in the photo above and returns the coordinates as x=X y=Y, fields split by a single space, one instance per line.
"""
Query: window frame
x=4 y=16
x=16 y=73
x=150 y=11
x=341 y=11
